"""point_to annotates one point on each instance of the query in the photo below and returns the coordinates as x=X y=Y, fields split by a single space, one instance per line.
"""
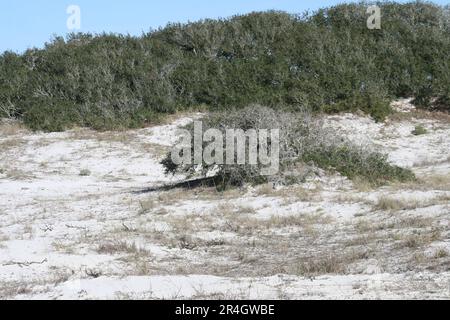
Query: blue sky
x=30 y=23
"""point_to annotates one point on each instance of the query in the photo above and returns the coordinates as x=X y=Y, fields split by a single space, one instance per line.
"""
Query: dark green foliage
x=326 y=61
x=419 y=130
x=51 y=115
x=352 y=162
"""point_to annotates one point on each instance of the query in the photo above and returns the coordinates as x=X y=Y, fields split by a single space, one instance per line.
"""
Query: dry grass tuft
x=11 y=142
x=362 y=185
x=429 y=182
x=414 y=241
x=420 y=114
x=441 y=253
x=387 y=203
x=9 y=290
x=106 y=136
x=116 y=247
x=330 y=263
x=11 y=128
x=301 y=220
x=16 y=174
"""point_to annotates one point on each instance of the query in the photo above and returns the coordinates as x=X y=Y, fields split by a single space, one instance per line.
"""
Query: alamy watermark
x=233 y=147
x=374 y=20
x=74 y=20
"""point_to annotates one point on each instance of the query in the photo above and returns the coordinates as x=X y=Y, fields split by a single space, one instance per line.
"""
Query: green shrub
x=46 y=115
x=419 y=130
x=85 y=173
x=354 y=163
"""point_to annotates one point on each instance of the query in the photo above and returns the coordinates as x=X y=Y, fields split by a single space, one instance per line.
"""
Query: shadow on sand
x=190 y=184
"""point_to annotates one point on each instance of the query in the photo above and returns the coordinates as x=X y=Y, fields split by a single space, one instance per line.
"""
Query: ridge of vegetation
x=326 y=61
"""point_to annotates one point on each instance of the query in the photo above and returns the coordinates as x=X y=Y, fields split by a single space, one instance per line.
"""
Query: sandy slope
x=77 y=222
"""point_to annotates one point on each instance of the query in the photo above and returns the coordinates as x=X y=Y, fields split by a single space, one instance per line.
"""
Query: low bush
x=302 y=139
x=253 y=117
x=419 y=130
x=355 y=162
x=84 y=173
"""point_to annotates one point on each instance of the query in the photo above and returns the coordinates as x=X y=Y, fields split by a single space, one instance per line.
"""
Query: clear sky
x=30 y=23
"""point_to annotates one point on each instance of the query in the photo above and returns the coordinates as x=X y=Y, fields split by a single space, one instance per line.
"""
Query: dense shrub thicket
x=325 y=61
x=304 y=143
